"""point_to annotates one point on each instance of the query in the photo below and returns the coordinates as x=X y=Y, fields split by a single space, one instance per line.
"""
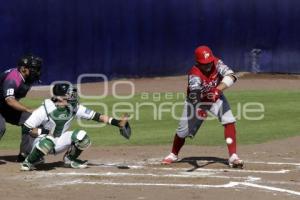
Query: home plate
x=119 y=166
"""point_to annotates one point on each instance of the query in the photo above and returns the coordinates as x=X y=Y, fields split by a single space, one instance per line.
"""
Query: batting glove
x=214 y=94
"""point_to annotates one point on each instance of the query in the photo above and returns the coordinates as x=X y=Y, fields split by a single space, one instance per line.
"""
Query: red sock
x=230 y=132
x=177 y=144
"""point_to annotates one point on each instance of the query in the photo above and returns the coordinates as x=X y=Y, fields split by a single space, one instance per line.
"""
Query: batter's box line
x=192 y=186
x=123 y=174
x=121 y=166
x=282 y=171
x=250 y=161
x=272 y=163
x=158 y=161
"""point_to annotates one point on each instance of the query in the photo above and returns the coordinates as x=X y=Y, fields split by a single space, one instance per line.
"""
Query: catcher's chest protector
x=59 y=118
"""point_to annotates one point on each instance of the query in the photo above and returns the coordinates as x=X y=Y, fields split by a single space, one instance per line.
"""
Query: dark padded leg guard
x=73 y=152
x=34 y=156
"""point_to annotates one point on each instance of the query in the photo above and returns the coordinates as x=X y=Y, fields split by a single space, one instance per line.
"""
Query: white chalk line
x=248 y=181
x=195 y=186
x=158 y=161
x=181 y=175
x=292 y=183
x=282 y=171
x=270 y=188
x=118 y=174
x=273 y=163
x=192 y=186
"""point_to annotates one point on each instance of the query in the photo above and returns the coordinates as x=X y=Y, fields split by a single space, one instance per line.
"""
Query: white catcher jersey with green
x=56 y=120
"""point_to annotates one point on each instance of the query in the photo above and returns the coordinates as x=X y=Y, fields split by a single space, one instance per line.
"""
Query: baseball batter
x=56 y=115
x=207 y=80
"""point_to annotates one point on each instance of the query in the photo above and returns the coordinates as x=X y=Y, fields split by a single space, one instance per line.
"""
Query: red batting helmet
x=204 y=55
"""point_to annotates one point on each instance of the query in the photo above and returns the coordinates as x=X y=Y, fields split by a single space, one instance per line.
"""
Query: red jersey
x=203 y=84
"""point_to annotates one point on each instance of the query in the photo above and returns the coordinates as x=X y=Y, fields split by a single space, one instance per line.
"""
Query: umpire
x=14 y=85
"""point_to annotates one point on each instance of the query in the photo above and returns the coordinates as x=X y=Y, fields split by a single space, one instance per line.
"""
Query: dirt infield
x=136 y=173
x=178 y=84
x=272 y=169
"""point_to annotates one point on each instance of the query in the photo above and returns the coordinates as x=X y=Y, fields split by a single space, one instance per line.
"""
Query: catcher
x=56 y=115
x=207 y=80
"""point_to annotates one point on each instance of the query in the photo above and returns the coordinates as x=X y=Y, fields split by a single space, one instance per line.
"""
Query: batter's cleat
x=171 y=158
x=26 y=166
x=76 y=163
x=235 y=162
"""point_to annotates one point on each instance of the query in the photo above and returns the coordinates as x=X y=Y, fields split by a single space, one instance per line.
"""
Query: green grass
x=281 y=120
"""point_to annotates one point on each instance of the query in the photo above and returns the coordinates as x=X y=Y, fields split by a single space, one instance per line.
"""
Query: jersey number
x=10 y=92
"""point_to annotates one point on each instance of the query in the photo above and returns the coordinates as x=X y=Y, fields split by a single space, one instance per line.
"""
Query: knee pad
x=80 y=139
x=46 y=145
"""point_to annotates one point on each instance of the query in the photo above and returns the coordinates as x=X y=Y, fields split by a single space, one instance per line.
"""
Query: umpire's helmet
x=67 y=91
x=34 y=64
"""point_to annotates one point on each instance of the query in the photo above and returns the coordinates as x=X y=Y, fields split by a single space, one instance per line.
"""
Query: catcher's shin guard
x=46 y=145
x=80 y=141
x=71 y=158
x=73 y=152
x=35 y=157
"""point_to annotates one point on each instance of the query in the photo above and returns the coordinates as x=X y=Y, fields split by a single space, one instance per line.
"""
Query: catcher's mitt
x=125 y=129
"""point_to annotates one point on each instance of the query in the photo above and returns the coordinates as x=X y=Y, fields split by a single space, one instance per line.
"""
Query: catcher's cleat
x=26 y=166
x=235 y=162
x=76 y=163
x=171 y=158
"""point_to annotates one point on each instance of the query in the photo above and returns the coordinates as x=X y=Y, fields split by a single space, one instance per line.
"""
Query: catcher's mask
x=34 y=65
x=66 y=91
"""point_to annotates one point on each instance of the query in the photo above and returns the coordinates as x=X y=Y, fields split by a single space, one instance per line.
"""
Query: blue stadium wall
x=136 y=38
